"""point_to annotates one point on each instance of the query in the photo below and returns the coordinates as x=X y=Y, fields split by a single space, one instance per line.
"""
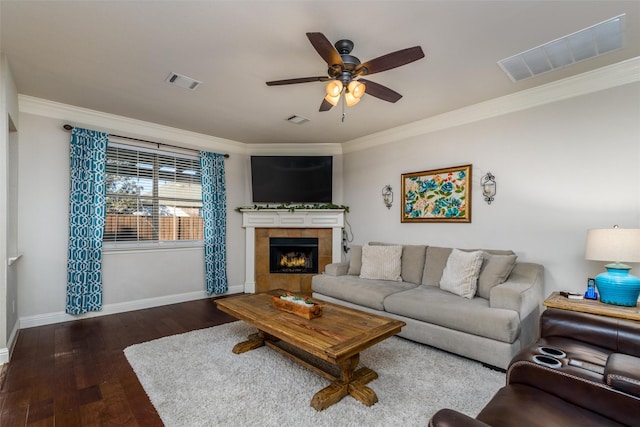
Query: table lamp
x=616 y=285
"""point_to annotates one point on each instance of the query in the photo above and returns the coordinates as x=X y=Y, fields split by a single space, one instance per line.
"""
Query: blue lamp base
x=617 y=286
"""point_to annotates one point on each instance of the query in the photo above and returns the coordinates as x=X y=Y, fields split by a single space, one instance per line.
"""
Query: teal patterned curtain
x=87 y=214
x=214 y=212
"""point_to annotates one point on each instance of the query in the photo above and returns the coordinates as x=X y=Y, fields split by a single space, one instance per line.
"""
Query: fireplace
x=293 y=255
x=262 y=224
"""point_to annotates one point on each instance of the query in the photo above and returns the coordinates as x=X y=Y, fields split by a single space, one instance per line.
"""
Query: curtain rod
x=69 y=127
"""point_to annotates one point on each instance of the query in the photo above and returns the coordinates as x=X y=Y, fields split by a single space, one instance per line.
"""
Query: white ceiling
x=114 y=57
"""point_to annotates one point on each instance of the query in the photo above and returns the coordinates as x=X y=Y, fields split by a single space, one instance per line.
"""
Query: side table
x=556 y=300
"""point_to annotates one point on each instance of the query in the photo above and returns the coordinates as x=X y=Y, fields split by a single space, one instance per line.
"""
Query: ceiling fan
x=345 y=71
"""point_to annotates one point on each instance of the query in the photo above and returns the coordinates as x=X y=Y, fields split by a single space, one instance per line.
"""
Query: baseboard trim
x=107 y=309
x=5 y=353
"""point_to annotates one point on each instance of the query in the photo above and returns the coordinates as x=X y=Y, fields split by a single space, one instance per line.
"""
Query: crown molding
x=111 y=123
x=619 y=74
x=133 y=128
x=321 y=149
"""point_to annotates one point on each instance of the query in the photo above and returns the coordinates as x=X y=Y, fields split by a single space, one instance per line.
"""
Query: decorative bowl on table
x=294 y=304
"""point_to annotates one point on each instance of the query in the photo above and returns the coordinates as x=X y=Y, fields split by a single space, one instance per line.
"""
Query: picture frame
x=439 y=195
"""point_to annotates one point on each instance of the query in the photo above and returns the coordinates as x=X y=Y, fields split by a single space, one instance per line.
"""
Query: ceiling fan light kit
x=334 y=88
x=352 y=94
x=356 y=89
x=333 y=100
x=344 y=72
x=350 y=100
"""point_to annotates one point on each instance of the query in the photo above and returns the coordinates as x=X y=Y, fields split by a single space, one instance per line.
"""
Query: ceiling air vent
x=298 y=120
x=183 y=81
x=594 y=41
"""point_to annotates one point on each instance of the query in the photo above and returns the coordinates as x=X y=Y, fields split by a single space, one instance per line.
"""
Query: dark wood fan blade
x=380 y=91
x=390 y=60
x=326 y=50
x=325 y=106
x=298 y=80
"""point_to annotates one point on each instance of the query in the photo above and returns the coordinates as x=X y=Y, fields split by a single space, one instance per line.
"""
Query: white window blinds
x=153 y=197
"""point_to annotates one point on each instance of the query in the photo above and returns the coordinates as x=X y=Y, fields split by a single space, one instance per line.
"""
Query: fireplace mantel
x=283 y=218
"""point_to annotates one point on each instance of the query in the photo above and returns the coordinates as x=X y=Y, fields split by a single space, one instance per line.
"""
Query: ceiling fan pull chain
x=343 y=113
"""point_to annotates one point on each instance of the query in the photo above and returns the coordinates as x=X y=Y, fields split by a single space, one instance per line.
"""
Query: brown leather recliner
x=583 y=371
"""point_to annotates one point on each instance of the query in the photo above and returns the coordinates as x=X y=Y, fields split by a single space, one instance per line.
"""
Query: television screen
x=292 y=179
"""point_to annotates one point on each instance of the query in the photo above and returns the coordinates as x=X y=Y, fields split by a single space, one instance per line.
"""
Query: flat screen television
x=291 y=179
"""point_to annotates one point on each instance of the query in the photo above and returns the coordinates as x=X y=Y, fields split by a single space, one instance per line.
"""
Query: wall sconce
x=387 y=196
x=488 y=184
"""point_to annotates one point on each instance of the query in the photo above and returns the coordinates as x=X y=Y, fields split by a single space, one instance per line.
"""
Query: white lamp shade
x=613 y=244
x=334 y=88
x=333 y=100
x=356 y=89
x=350 y=100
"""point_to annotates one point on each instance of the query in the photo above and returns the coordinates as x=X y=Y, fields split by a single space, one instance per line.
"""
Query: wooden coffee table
x=336 y=338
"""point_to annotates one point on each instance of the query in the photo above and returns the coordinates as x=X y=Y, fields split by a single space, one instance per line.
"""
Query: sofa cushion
x=439 y=307
x=355 y=260
x=460 y=275
x=413 y=258
x=368 y=293
x=495 y=270
x=381 y=263
x=436 y=259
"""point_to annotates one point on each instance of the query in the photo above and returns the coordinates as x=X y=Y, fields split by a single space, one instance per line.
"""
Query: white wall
x=560 y=168
x=131 y=279
x=8 y=211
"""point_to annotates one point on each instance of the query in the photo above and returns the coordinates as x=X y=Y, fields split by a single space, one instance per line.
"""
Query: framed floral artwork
x=440 y=195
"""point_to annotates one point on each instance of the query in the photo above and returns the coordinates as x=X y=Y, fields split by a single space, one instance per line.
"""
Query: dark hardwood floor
x=76 y=374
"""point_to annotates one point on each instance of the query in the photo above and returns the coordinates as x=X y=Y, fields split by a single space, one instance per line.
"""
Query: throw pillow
x=355 y=260
x=412 y=261
x=460 y=275
x=381 y=263
x=495 y=270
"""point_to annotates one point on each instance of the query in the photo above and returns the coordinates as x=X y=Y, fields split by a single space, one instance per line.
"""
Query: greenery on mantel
x=292 y=208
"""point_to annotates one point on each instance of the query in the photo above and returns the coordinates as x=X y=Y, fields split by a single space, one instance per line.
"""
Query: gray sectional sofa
x=490 y=324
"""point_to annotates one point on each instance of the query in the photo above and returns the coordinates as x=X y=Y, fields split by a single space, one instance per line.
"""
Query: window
x=153 y=197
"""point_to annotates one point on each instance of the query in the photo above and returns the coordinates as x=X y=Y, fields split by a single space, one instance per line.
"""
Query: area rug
x=194 y=379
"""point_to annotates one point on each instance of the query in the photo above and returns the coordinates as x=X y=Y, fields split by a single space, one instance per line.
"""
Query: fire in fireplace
x=293 y=255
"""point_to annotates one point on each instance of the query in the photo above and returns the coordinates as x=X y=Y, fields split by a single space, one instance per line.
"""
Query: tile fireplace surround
x=264 y=223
